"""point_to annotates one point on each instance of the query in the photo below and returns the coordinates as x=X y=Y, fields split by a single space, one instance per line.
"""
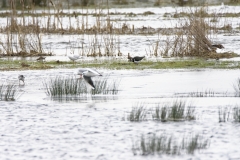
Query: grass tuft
x=138 y=113
x=8 y=92
x=178 y=111
x=104 y=86
x=223 y=114
x=236 y=88
x=236 y=114
x=59 y=87
x=168 y=144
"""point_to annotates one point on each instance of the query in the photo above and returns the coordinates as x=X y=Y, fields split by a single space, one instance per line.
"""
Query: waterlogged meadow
x=180 y=102
x=149 y=118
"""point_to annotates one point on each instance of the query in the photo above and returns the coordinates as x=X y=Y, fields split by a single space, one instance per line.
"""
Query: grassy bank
x=6 y=65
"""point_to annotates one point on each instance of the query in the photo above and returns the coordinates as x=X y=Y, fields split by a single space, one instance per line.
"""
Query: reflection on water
x=85 y=98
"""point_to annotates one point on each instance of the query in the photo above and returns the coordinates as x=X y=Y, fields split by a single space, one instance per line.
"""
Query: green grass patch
x=6 y=65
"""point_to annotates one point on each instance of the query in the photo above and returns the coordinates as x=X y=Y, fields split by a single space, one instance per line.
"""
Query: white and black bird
x=87 y=74
x=21 y=78
x=135 y=59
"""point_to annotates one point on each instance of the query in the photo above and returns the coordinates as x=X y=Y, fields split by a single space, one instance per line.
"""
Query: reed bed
x=170 y=145
x=8 y=92
x=24 y=31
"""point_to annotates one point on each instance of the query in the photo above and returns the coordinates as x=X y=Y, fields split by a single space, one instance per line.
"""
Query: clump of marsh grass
x=168 y=144
x=178 y=111
x=104 y=86
x=207 y=93
x=8 y=92
x=59 y=87
x=160 y=113
x=194 y=142
x=236 y=114
x=236 y=88
x=223 y=114
x=138 y=113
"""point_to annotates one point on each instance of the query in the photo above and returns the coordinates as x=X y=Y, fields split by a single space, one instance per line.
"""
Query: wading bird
x=41 y=59
x=21 y=78
x=87 y=73
x=135 y=59
x=218 y=46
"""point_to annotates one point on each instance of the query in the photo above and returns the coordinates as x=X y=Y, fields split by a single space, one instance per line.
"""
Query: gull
x=73 y=57
x=87 y=73
x=21 y=78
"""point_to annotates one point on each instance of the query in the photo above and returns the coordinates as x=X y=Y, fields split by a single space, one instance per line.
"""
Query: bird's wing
x=89 y=81
x=91 y=72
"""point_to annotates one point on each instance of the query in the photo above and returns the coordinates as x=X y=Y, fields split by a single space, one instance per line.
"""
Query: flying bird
x=21 y=78
x=87 y=73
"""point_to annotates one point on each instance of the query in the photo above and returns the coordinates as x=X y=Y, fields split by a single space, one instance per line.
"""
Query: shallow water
x=36 y=127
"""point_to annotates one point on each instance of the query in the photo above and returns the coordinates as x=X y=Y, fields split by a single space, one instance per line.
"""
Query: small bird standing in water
x=21 y=78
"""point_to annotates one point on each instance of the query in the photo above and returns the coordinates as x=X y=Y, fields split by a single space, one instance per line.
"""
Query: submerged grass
x=8 y=92
x=168 y=144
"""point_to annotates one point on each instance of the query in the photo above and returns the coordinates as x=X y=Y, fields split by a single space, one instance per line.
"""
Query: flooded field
x=37 y=126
